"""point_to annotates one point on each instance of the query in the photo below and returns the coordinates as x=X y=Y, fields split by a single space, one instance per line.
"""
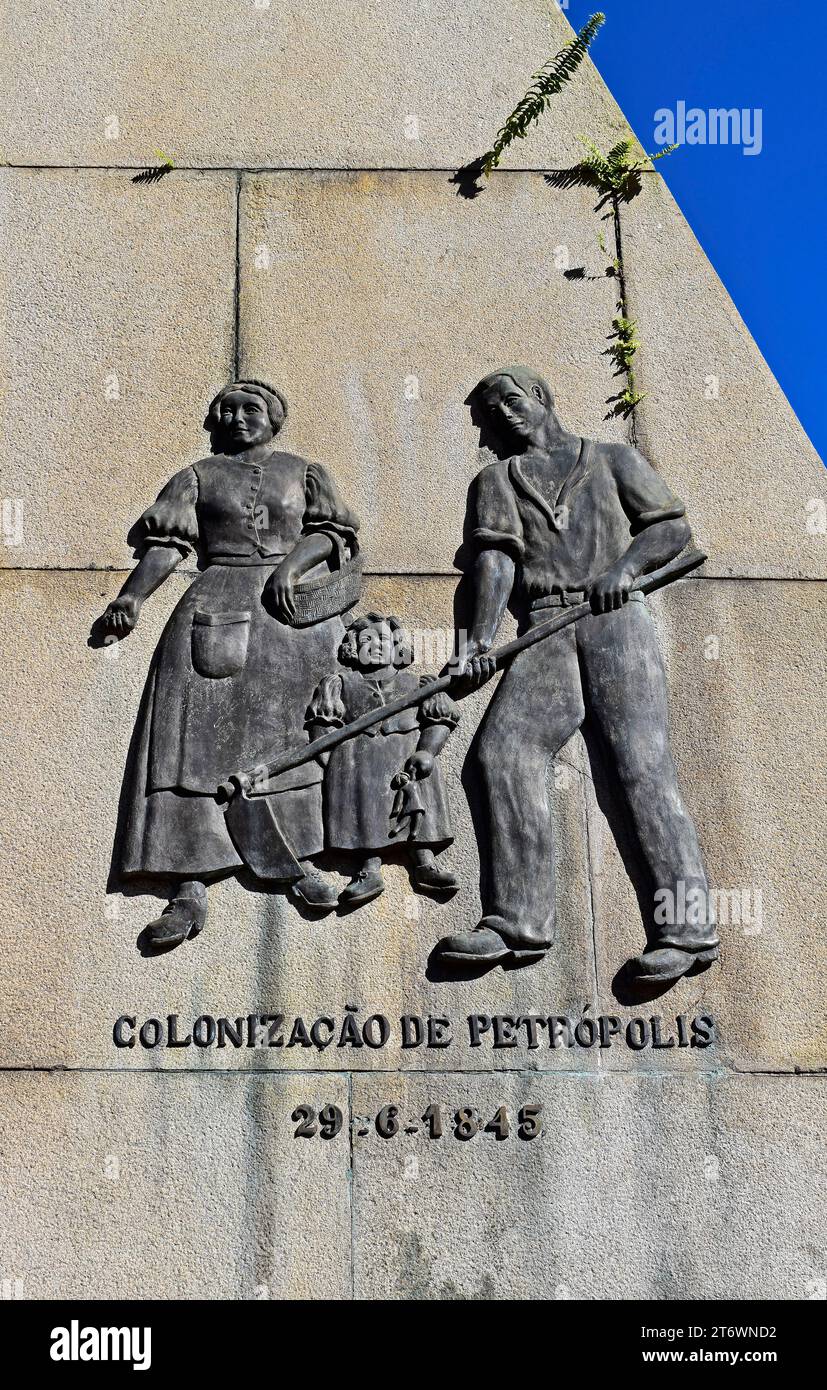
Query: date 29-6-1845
x=463 y=1123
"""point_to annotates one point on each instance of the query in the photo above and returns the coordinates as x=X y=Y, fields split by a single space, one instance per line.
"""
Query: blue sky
x=760 y=218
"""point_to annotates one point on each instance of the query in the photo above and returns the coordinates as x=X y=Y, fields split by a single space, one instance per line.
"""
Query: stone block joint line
x=350 y=1182
x=722 y=1069
x=288 y=169
x=237 y=282
x=623 y=307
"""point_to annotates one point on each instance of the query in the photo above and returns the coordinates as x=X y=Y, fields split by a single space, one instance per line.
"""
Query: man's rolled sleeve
x=646 y=497
x=493 y=518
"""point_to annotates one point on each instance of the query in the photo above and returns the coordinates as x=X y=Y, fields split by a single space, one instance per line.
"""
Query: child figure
x=384 y=787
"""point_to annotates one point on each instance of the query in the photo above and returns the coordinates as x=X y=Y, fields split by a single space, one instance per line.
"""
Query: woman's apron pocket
x=219 y=643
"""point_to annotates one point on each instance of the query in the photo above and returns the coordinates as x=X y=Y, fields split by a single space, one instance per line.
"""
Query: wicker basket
x=329 y=594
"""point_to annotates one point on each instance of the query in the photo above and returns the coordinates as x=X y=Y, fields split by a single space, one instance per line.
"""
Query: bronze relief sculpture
x=270 y=732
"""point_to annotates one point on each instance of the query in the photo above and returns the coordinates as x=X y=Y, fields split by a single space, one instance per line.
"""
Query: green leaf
x=546 y=83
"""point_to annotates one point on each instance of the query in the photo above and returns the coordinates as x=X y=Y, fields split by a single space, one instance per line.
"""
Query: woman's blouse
x=224 y=508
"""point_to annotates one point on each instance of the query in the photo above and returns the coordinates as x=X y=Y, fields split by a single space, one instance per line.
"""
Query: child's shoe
x=363 y=887
x=431 y=879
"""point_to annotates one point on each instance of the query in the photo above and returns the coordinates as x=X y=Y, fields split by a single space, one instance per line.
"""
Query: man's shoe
x=434 y=880
x=484 y=946
x=363 y=888
x=665 y=964
x=314 y=890
x=181 y=918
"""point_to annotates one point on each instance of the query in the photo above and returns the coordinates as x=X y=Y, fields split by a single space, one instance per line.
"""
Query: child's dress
x=363 y=811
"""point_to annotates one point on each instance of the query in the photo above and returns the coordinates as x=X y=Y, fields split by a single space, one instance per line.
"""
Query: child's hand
x=420 y=764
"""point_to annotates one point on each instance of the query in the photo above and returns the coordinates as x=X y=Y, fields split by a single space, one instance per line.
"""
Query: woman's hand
x=420 y=764
x=119 y=619
x=156 y=564
x=280 y=587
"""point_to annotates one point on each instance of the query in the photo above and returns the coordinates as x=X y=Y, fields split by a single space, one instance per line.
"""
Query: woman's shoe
x=182 y=917
x=314 y=890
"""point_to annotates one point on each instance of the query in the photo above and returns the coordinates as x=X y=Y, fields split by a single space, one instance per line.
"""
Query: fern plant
x=545 y=84
x=152 y=175
x=615 y=174
x=627 y=400
x=617 y=178
x=622 y=352
x=626 y=342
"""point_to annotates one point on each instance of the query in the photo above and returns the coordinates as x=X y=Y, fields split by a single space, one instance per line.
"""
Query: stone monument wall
x=310 y=234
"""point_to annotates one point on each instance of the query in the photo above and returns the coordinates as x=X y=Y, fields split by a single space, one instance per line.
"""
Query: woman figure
x=229 y=680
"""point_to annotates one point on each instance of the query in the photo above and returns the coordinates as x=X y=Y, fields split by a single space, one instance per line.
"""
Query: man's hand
x=118 y=620
x=280 y=588
x=472 y=666
x=611 y=589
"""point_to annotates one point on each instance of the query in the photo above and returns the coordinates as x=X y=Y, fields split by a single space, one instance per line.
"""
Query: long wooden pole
x=295 y=757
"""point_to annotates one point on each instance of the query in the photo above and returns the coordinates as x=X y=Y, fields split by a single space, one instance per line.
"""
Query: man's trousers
x=607 y=666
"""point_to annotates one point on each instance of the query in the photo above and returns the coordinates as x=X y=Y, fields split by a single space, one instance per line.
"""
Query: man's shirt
x=563 y=536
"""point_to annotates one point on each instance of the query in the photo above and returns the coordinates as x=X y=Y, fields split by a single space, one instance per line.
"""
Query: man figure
x=558 y=519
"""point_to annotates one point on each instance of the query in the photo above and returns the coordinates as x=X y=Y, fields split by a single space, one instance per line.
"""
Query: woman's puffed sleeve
x=492 y=519
x=439 y=708
x=325 y=512
x=171 y=520
x=645 y=496
x=327 y=706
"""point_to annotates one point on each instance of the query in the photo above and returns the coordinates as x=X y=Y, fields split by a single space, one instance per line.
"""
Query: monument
x=414 y=822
